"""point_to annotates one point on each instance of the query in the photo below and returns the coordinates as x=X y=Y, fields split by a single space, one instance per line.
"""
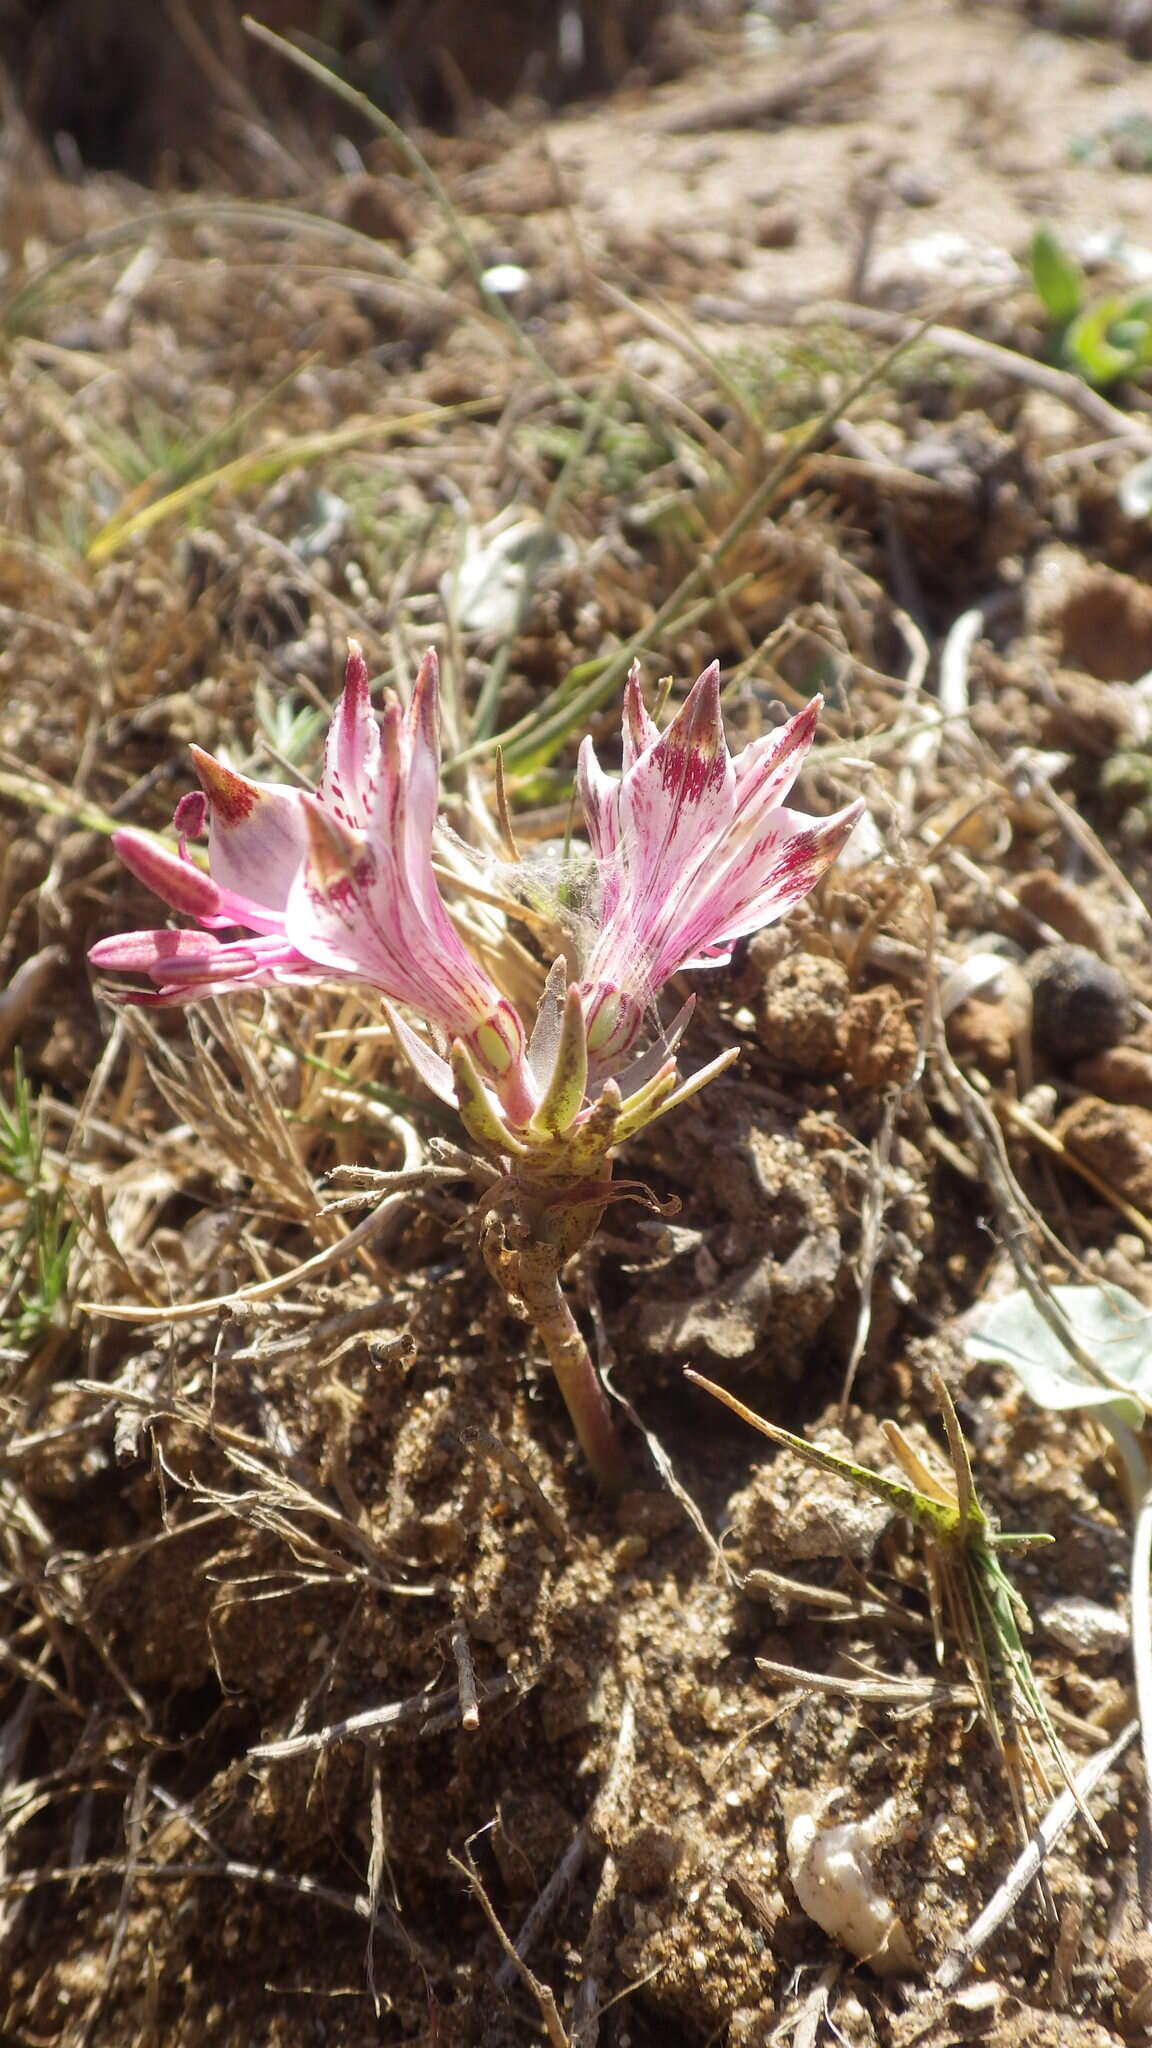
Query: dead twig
x=550 y=1519
x=545 y=1998
x=887 y=1692
x=563 y=1874
x=1030 y=1862
x=466 y=1691
x=432 y=1710
x=782 y=99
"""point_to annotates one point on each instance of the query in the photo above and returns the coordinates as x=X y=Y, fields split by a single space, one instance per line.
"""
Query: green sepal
x=587 y=1149
x=564 y=1096
x=665 y=1091
x=477 y=1115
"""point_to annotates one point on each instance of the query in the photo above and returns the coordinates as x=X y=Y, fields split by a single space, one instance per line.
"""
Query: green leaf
x=1107 y=1322
x=1131 y=334
x=966 y=1579
x=1090 y=348
x=939 y=1518
x=1058 y=278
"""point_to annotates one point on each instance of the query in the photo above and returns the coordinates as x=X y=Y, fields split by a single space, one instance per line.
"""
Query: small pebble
x=799 y=1010
x=1063 y=906
x=1079 y=1003
x=1084 y=1626
x=916 y=187
x=1123 y=1073
x=778 y=228
x=1115 y=1140
x=833 y=1870
x=987 y=1033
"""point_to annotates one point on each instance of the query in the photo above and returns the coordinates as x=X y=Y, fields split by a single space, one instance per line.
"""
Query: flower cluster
x=692 y=850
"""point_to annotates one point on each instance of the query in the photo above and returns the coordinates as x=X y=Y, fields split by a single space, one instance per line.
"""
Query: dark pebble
x=1080 y=1004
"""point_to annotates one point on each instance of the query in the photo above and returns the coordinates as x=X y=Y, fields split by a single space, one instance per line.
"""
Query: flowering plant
x=692 y=850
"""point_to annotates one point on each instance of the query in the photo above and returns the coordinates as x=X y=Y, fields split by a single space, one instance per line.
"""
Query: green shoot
x=969 y=1591
x=387 y=1098
x=291 y=728
x=36 y=1234
x=1057 y=277
x=1110 y=1328
x=1101 y=339
x=261 y=466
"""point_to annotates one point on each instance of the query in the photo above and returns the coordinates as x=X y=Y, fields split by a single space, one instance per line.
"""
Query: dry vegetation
x=321 y=1663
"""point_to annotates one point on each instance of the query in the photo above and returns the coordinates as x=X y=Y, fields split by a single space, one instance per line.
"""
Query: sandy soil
x=328 y=1675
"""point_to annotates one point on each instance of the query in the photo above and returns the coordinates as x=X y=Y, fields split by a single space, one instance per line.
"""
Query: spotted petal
x=256 y=834
x=694 y=849
x=352 y=749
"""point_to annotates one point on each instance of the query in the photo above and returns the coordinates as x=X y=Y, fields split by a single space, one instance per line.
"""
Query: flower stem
x=538 y=1287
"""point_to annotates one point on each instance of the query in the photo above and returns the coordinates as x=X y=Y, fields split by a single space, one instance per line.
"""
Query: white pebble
x=833 y=1877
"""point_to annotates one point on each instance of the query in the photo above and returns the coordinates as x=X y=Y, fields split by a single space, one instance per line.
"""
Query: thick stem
x=538 y=1286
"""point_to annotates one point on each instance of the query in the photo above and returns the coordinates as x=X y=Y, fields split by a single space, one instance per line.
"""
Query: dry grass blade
x=1018 y=1119
x=263 y=465
x=1019 y=1225
x=611 y=1796
x=284 y=1500
x=425 y=1714
x=910 y=1693
x=1065 y=385
x=145 y=222
x=287 y=1502
x=533 y=739
x=396 y=134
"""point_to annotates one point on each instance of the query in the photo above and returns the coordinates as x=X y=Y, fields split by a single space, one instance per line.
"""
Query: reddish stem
x=538 y=1287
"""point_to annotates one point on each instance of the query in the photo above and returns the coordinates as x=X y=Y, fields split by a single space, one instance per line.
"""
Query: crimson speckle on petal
x=231 y=797
x=691 y=775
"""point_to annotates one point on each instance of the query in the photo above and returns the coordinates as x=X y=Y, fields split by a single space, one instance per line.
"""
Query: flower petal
x=676 y=802
x=640 y=728
x=600 y=796
x=654 y=831
x=352 y=749
x=767 y=879
x=435 y=1072
x=185 y=887
x=352 y=910
x=256 y=833
x=694 y=849
x=766 y=768
x=419 y=740
x=167 y=951
x=325 y=916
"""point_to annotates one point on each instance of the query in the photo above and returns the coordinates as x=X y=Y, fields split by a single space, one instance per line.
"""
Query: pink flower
x=329 y=886
x=694 y=850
